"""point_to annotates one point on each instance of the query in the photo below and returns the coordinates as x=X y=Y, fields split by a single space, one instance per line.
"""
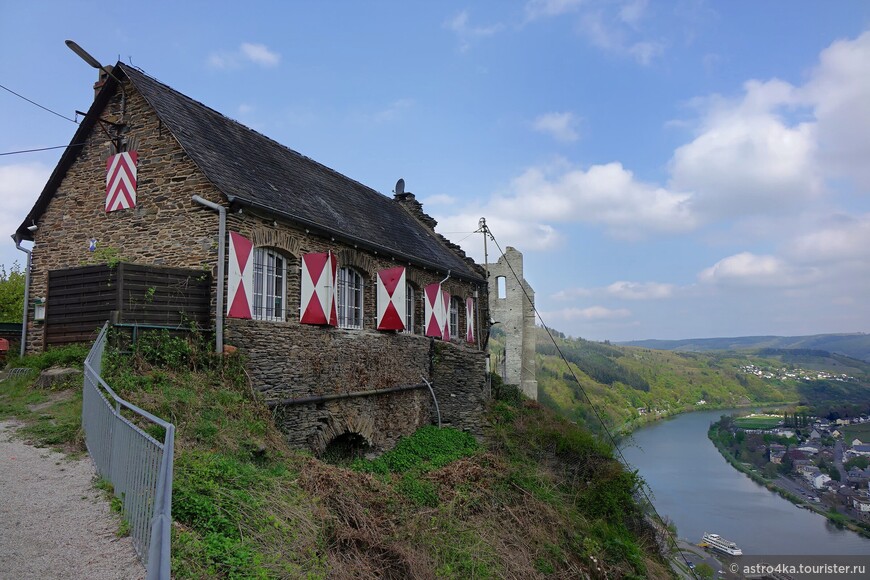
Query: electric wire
x=38 y=105
x=41 y=149
x=670 y=536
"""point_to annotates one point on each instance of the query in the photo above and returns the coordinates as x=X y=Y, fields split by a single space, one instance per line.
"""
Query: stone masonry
x=286 y=360
x=514 y=314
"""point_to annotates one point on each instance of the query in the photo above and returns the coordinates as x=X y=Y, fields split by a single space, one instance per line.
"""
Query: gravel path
x=53 y=523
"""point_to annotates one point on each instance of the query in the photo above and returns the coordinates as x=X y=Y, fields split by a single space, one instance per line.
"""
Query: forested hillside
x=854 y=345
x=630 y=386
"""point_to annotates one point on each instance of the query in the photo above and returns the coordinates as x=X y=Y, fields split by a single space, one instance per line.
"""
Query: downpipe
x=222 y=235
x=26 y=294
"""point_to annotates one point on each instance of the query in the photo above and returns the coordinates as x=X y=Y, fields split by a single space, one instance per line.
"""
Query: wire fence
x=138 y=466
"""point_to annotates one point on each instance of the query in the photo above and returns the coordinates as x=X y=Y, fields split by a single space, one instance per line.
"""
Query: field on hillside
x=758 y=421
x=861 y=432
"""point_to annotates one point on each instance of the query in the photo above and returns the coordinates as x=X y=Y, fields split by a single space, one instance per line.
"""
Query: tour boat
x=719 y=543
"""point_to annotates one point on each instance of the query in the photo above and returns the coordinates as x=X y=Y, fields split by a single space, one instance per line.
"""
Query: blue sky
x=669 y=169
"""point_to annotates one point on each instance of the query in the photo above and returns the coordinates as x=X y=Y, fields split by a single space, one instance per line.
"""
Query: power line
x=610 y=436
x=38 y=105
x=41 y=149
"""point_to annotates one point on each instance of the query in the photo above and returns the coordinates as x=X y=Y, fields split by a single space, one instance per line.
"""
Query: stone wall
x=286 y=359
x=515 y=315
x=166 y=227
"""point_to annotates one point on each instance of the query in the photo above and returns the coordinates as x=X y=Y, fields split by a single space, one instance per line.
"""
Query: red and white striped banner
x=121 y=181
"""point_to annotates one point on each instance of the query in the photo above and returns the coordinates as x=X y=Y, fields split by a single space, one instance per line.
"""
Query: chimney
x=407 y=200
x=103 y=77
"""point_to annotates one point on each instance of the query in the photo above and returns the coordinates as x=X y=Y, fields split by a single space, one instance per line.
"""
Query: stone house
x=345 y=302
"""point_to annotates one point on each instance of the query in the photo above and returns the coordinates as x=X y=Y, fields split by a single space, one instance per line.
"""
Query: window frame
x=410 y=305
x=453 y=317
x=344 y=278
x=265 y=286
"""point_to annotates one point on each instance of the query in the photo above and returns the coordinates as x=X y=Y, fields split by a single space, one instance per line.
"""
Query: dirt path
x=53 y=523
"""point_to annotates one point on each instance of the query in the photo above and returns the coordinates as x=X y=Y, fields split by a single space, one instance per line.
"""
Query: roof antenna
x=400 y=187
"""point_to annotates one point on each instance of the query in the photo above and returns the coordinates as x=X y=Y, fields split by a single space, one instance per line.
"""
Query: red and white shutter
x=121 y=181
x=434 y=311
x=391 y=299
x=319 y=297
x=240 y=278
x=469 y=319
x=445 y=302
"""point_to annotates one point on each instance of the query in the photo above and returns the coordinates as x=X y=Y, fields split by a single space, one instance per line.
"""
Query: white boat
x=717 y=542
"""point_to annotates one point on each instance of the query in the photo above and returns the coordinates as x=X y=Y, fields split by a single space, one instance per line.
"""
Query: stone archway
x=353 y=428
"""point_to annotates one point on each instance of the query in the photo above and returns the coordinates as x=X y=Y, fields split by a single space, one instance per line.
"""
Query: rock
x=53 y=377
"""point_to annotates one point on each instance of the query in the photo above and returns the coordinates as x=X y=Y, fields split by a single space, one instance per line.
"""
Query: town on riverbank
x=818 y=463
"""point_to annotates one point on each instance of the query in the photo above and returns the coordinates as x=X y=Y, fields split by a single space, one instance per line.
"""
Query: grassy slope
x=538 y=498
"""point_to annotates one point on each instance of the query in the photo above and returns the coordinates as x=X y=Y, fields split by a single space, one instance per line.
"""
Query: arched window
x=350 y=298
x=270 y=285
x=454 y=318
x=409 y=309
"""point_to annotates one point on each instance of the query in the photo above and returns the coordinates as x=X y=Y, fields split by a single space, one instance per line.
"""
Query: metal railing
x=138 y=466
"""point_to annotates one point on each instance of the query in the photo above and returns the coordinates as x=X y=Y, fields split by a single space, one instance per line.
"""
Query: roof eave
x=66 y=160
x=323 y=230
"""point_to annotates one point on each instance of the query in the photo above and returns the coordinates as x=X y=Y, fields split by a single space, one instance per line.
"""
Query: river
x=699 y=491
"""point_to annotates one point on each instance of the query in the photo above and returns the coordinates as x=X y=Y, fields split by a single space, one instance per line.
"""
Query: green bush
x=427 y=449
x=72 y=355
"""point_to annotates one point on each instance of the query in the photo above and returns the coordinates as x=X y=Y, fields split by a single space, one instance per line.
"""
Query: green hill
x=856 y=345
x=631 y=386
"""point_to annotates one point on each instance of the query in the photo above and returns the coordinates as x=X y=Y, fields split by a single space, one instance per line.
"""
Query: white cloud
x=632 y=12
x=613 y=36
x=747 y=159
x=844 y=239
x=620 y=289
x=260 y=54
x=20 y=185
x=543 y=8
x=572 y=293
x=589 y=314
x=467 y=33
x=441 y=199
x=247 y=52
x=560 y=126
x=509 y=231
x=604 y=194
x=641 y=290
x=839 y=91
x=748 y=269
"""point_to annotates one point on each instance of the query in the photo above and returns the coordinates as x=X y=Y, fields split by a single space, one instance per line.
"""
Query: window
x=409 y=309
x=454 y=318
x=350 y=298
x=270 y=285
x=502 y=287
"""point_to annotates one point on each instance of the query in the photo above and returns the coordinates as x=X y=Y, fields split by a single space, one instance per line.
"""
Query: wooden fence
x=81 y=299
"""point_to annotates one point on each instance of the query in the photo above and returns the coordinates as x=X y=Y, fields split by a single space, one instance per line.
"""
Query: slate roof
x=253 y=170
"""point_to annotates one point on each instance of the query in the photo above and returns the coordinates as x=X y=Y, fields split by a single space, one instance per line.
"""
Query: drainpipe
x=26 y=294
x=222 y=235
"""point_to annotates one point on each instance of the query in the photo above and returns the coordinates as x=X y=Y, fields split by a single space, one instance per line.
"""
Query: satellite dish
x=400 y=187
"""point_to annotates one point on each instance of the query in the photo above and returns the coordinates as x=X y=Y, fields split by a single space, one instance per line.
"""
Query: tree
x=11 y=293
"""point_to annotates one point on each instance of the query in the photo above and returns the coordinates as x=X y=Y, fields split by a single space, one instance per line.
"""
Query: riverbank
x=837 y=518
x=630 y=427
